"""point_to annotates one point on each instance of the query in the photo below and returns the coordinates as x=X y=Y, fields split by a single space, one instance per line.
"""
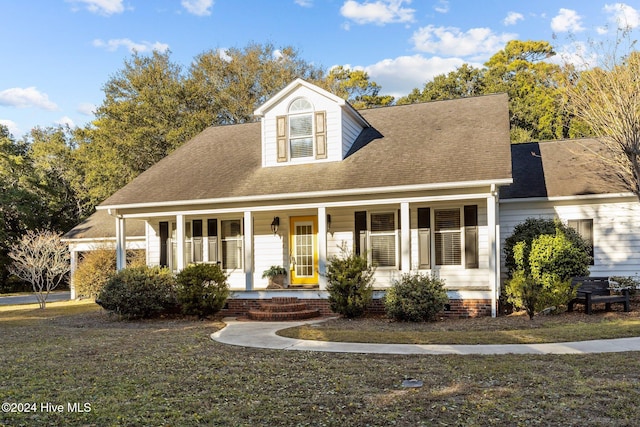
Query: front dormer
x=306 y=124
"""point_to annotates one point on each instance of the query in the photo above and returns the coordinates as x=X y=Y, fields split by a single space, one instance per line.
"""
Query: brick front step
x=279 y=315
x=289 y=307
x=282 y=308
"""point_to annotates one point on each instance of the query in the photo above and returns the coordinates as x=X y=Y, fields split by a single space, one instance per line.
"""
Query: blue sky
x=58 y=54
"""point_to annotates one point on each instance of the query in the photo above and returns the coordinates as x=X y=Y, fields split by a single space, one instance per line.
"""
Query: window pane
x=301 y=147
x=300 y=126
x=231 y=254
x=448 y=219
x=382 y=222
x=448 y=249
x=383 y=250
x=300 y=104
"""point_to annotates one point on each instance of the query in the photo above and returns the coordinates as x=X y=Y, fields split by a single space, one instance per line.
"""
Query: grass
x=513 y=329
x=170 y=373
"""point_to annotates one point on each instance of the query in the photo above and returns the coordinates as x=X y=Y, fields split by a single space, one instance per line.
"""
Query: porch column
x=248 y=250
x=322 y=247
x=121 y=243
x=74 y=267
x=494 y=248
x=405 y=237
x=180 y=237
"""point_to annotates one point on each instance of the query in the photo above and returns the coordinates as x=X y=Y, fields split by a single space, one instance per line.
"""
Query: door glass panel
x=304 y=250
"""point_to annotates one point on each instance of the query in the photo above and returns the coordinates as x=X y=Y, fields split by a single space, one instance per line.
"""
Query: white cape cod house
x=412 y=187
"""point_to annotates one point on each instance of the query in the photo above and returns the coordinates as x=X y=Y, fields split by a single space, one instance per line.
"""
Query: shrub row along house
x=423 y=187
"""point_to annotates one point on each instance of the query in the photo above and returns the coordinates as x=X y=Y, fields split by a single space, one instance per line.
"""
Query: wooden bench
x=594 y=290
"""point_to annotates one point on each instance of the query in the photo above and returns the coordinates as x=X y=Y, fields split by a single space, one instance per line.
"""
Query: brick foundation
x=456 y=308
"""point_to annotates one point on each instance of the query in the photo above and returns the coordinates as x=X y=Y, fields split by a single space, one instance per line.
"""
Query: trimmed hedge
x=139 y=292
x=202 y=289
x=416 y=298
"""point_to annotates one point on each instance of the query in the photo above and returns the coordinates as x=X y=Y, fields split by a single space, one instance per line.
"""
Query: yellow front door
x=304 y=250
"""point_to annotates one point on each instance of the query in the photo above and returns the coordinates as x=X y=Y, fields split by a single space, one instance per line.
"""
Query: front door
x=304 y=250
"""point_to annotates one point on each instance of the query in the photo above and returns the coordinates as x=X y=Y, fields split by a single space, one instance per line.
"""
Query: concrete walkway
x=263 y=335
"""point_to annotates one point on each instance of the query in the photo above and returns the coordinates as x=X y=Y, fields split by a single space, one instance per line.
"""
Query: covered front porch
x=451 y=235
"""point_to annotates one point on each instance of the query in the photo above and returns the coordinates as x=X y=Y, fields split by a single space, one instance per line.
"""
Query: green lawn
x=170 y=373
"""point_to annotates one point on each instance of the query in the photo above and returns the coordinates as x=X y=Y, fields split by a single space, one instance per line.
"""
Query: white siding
x=616 y=229
x=153 y=243
x=350 y=131
x=269 y=249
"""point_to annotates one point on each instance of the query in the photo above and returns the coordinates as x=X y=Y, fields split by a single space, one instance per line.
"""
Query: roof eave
x=314 y=194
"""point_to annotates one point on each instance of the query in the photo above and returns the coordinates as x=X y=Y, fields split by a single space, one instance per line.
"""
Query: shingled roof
x=101 y=225
x=430 y=143
x=572 y=167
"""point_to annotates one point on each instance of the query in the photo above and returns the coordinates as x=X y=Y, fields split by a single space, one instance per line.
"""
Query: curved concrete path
x=263 y=335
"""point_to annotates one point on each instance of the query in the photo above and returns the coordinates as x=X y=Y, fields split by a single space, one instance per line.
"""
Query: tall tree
x=607 y=99
x=534 y=88
x=57 y=177
x=465 y=81
x=226 y=86
x=141 y=120
x=355 y=87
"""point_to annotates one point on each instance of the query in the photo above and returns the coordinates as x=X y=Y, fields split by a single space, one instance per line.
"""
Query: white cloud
x=304 y=3
x=399 y=76
x=451 y=41
x=577 y=54
x=198 y=7
x=567 y=20
x=102 y=7
x=442 y=6
x=66 y=121
x=379 y=12
x=512 y=18
x=86 y=109
x=26 y=97
x=144 y=46
x=12 y=126
x=623 y=15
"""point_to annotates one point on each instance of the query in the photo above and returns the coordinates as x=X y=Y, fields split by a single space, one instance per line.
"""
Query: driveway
x=31 y=298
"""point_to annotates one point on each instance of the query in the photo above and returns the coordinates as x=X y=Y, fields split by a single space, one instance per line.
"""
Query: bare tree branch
x=41 y=259
x=607 y=98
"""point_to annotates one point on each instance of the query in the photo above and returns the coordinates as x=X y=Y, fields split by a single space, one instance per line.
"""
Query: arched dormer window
x=301 y=134
x=300 y=129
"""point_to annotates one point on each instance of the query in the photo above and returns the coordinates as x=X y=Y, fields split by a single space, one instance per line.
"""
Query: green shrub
x=350 y=284
x=532 y=228
x=542 y=277
x=139 y=292
x=202 y=289
x=416 y=298
x=97 y=266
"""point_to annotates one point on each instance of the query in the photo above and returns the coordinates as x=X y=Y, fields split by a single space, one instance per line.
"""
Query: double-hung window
x=448 y=237
x=584 y=227
x=383 y=239
x=301 y=129
x=231 y=238
x=456 y=236
x=301 y=134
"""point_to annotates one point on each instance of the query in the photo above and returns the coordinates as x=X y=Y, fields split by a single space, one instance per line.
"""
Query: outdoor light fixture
x=275 y=224
x=329 y=223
